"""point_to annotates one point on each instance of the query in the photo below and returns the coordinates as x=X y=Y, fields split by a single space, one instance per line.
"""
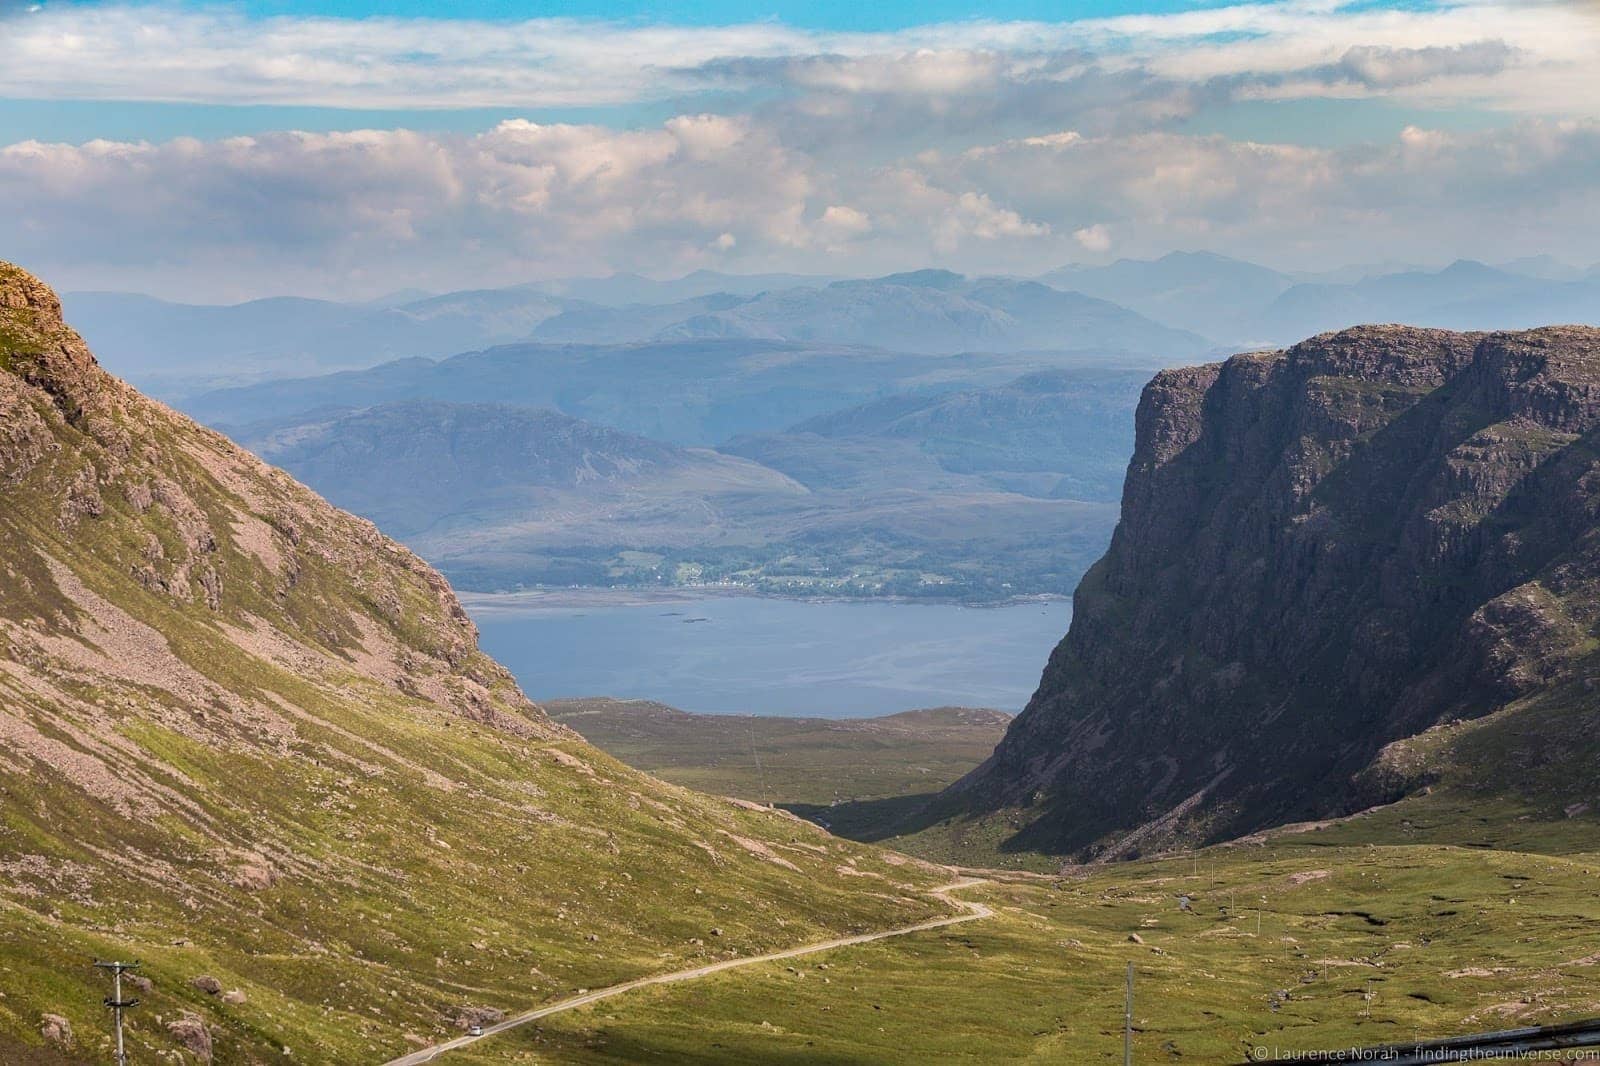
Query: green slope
x=244 y=736
x=790 y=762
x=1353 y=946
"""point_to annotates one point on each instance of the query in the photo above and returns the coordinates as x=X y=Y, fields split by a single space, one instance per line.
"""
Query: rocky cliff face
x=1322 y=551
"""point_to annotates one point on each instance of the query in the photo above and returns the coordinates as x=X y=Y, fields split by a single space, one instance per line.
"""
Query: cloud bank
x=983 y=146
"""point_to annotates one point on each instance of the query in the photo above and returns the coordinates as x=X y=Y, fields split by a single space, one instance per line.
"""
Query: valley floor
x=1285 y=948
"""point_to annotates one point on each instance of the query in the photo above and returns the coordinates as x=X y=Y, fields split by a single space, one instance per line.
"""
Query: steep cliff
x=1324 y=553
x=251 y=742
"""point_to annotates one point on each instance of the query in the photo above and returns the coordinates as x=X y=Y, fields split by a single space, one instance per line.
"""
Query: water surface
x=754 y=655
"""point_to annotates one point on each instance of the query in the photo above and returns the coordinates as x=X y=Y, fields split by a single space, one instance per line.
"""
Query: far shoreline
x=552 y=598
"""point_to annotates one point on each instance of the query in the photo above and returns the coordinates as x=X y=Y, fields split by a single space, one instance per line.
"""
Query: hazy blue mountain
x=410 y=466
x=1200 y=291
x=1543 y=266
x=177 y=349
x=922 y=311
x=1063 y=434
x=490 y=315
x=1465 y=295
x=501 y=497
x=620 y=289
x=174 y=349
x=701 y=392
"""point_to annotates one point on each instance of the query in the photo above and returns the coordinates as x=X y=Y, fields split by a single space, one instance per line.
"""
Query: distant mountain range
x=697 y=393
x=1463 y=296
x=1243 y=304
x=1210 y=294
x=867 y=428
x=1164 y=311
x=938 y=502
x=412 y=467
x=179 y=349
x=923 y=311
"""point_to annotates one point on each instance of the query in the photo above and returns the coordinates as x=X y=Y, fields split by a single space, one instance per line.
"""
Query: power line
x=761 y=770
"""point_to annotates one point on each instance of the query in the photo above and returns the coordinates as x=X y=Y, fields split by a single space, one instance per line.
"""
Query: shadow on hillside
x=871 y=821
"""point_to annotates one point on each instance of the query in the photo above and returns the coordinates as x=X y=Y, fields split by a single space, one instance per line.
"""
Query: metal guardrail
x=1477 y=1047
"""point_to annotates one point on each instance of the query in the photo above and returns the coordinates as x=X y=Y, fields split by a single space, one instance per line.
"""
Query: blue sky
x=357 y=147
x=832 y=14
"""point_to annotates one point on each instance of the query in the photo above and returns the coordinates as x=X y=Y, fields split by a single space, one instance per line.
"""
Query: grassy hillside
x=1287 y=948
x=245 y=737
x=790 y=762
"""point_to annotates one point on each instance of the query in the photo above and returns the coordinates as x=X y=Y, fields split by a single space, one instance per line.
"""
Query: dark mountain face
x=1322 y=551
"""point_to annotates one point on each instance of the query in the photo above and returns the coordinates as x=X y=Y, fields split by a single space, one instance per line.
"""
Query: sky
x=344 y=148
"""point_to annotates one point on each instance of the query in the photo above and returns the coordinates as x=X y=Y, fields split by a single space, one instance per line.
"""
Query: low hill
x=1062 y=434
x=411 y=467
x=252 y=743
x=790 y=762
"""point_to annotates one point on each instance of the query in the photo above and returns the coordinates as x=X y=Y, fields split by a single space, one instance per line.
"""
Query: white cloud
x=1095 y=238
x=360 y=212
x=844 y=222
x=1522 y=56
x=983 y=145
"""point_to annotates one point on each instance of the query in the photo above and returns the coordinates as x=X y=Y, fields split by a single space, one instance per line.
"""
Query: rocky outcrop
x=1322 y=551
x=56 y=1030
x=191 y=1031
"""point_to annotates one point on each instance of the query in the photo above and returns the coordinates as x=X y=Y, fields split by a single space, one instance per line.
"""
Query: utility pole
x=117 y=1003
x=766 y=796
x=1127 y=1022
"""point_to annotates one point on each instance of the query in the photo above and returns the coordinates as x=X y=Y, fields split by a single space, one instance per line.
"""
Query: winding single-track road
x=973 y=912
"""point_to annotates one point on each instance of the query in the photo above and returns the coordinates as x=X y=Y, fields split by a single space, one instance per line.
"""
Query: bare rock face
x=40 y=349
x=190 y=1031
x=1322 y=551
x=468 y=1017
x=56 y=1030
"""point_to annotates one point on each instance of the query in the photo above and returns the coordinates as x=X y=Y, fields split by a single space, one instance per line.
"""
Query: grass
x=314 y=788
x=330 y=802
x=1354 y=946
x=794 y=762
